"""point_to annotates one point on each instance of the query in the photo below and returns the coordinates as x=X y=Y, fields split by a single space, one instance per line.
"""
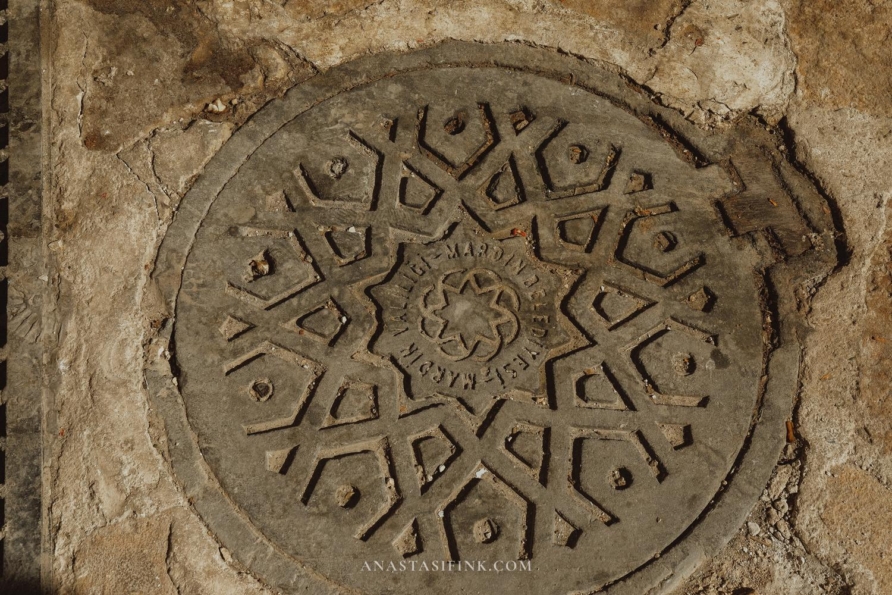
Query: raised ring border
x=758 y=456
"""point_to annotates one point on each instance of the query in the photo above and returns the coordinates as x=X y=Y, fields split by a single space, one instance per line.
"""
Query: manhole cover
x=479 y=308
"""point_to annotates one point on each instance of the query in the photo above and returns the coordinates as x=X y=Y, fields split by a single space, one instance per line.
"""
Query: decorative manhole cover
x=479 y=306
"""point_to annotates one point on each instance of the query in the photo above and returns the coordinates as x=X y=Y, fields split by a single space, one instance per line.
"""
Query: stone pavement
x=413 y=296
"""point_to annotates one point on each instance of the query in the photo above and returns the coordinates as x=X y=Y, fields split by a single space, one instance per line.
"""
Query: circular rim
x=758 y=455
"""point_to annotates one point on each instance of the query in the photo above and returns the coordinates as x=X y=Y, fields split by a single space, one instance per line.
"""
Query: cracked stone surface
x=142 y=95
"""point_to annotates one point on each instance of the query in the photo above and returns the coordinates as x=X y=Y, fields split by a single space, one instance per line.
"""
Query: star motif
x=474 y=318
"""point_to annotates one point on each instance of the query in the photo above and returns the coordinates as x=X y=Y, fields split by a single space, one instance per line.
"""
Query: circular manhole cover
x=479 y=308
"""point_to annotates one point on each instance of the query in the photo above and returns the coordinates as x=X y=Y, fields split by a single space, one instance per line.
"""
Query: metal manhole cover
x=478 y=306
